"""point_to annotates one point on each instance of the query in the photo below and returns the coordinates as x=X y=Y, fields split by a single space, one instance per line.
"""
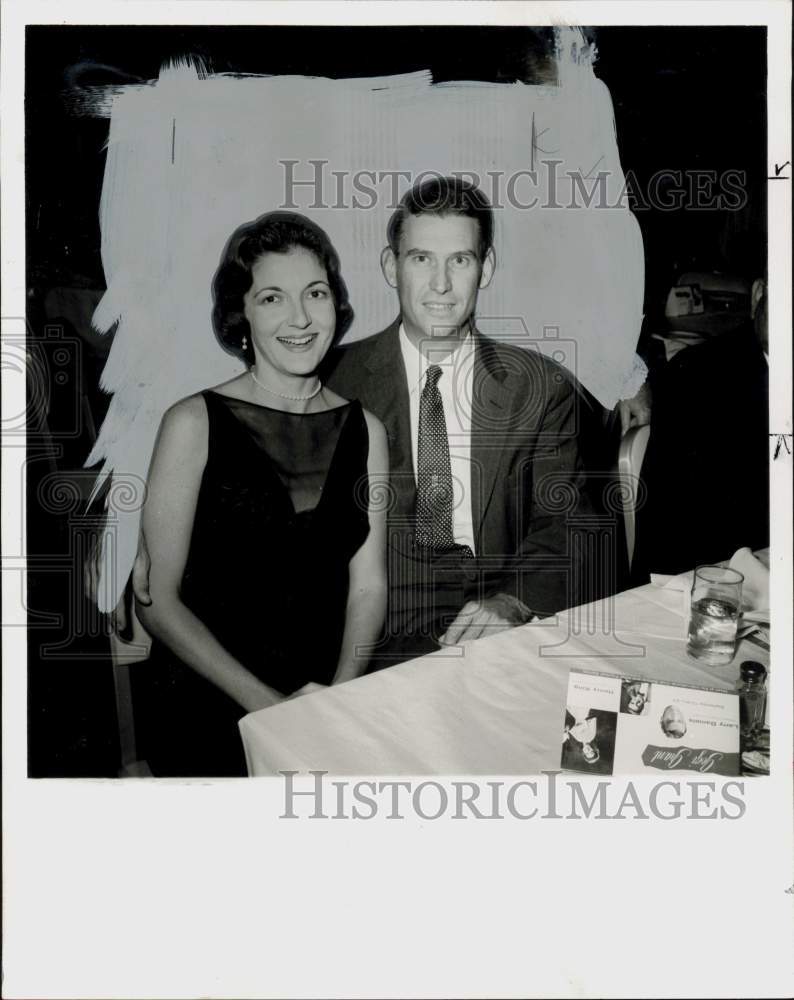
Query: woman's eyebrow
x=275 y=288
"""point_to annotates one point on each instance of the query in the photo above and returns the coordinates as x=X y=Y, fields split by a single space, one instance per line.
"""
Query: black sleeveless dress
x=281 y=510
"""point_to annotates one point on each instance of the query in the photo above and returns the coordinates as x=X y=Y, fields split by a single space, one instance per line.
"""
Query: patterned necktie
x=434 y=473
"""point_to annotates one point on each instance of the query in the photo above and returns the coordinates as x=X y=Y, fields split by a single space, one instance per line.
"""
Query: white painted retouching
x=193 y=155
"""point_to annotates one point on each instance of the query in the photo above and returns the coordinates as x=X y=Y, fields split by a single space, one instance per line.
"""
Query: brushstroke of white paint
x=192 y=156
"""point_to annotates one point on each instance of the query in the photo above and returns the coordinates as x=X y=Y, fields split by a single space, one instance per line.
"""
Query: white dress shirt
x=455 y=386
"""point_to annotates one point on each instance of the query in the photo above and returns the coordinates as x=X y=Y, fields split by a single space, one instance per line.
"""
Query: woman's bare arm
x=178 y=463
x=366 y=602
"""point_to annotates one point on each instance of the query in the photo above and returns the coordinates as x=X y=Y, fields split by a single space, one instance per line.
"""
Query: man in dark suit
x=484 y=462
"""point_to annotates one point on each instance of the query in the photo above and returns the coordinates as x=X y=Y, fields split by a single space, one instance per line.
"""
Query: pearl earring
x=245 y=342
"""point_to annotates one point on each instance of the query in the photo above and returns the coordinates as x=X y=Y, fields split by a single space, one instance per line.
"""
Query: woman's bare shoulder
x=183 y=439
x=378 y=442
x=333 y=399
x=238 y=387
x=373 y=423
x=186 y=418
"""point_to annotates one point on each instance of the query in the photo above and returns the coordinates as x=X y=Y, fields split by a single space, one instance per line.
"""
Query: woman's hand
x=265 y=697
x=309 y=688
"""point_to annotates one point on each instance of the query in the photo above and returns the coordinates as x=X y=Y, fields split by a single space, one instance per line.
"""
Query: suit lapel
x=493 y=396
x=493 y=392
x=387 y=398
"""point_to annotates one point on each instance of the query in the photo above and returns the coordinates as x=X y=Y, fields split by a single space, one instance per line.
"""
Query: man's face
x=636 y=703
x=673 y=723
x=437 y=274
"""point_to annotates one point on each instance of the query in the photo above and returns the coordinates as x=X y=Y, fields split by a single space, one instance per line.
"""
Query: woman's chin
x=304 y=371
x=302 y=364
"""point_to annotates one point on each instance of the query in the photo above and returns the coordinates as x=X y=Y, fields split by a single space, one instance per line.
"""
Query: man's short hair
x=444 y=196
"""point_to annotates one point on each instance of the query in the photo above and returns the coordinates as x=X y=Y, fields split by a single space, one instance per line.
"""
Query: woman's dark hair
x=274 y=232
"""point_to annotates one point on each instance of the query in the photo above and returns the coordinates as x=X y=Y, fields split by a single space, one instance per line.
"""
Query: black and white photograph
x=373 y=374
x=589 y=741
x=635 y=697
x=264 y=481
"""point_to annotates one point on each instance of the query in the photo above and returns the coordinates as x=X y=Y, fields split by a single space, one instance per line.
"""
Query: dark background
x=684 y=98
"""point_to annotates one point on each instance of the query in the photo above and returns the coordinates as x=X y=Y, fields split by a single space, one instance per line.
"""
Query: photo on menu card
x=622 y=726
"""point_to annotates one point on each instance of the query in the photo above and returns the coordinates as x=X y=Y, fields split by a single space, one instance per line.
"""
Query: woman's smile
x=291 y=313
x=301 y=343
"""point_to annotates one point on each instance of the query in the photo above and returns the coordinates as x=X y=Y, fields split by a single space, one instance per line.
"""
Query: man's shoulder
x=345 y=360
x=363 y=346
x=530 y=364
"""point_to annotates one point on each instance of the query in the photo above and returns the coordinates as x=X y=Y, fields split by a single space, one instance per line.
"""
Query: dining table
x=495 y=705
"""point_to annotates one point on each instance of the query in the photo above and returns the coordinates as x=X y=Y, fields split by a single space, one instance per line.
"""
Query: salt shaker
x=752 y=700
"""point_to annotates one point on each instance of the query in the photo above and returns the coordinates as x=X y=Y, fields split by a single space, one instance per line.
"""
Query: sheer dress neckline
x=303 y=463
x=275 y=409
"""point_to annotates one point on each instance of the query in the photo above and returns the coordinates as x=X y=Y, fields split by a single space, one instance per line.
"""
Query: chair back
x=631 y=455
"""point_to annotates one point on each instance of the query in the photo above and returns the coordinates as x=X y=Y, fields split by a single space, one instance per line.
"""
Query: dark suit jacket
x=527 y=478
x=706 y=470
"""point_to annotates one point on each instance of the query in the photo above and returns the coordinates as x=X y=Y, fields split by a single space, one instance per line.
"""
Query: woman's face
x=291 y=312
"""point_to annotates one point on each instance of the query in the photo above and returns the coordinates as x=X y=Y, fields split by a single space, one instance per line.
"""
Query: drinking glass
x=714 y=618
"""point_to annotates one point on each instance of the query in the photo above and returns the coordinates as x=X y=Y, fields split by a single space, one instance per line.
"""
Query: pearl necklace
x=283 y=395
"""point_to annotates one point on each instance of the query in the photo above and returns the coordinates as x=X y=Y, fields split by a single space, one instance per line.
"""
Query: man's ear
x=388 y=264
x=488 y=268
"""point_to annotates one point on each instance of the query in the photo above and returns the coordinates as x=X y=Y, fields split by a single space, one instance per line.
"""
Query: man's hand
x=119 y=617
x=140 y=573
x=486 y=617
x=91 y=571
x=635 y=412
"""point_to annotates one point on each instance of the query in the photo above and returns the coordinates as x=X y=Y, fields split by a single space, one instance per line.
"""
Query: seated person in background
x=707 y=466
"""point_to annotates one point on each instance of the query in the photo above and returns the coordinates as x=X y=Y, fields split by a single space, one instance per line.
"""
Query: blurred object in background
x=707 y=466
x=758 y=309
x=702 y=305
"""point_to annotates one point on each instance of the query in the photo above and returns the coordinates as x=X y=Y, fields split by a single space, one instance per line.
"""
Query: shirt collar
x=416 y=364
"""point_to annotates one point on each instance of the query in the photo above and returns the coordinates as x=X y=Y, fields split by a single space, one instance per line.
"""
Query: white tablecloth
x=493 y=706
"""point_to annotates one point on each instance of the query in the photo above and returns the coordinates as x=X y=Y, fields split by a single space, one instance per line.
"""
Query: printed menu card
x=617 y=725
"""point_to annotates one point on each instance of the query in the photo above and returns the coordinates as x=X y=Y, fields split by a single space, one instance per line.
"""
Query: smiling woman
x=280 y=302
x=267 y=558
x=290 y=311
